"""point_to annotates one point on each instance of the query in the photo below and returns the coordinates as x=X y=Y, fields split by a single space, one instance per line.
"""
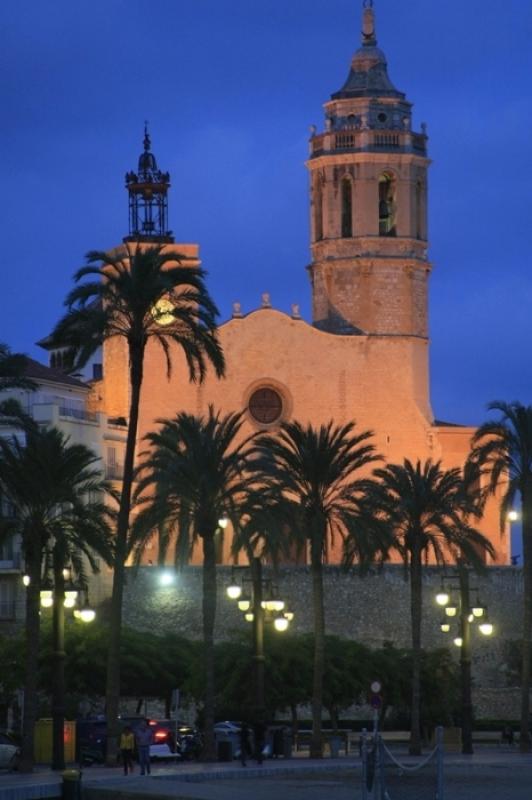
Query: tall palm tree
x=197 y=470
x=313 y=476
x=426 y=510
x=503 y=449
x=51 y=486
x=137 y=294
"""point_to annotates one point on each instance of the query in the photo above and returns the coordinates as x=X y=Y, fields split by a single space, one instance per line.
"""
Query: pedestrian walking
x=144 y=738
x=127 y=746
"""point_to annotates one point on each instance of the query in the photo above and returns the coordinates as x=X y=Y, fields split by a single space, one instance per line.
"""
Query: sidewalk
x=166 y=780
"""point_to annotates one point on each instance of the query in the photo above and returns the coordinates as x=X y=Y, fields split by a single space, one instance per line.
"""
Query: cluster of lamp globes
x=475 y=614
x=85 y=613
x=282 y=618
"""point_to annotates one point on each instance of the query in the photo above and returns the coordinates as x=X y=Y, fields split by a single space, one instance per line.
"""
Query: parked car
x=9 y=752
x=164 y=739
x=189 y=741
x=91 y=738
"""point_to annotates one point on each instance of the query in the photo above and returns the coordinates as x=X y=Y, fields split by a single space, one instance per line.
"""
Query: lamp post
x=467 y=615
x=258 y=610
x=58 y=595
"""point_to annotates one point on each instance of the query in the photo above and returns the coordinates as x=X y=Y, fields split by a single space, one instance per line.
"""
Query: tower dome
x=368 y=76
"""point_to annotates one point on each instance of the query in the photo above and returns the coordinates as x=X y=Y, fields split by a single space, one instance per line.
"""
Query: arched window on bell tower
x=387 y=205
x=346 y=195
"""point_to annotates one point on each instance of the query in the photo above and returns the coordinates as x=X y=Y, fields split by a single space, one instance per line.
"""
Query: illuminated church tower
x=368 y=173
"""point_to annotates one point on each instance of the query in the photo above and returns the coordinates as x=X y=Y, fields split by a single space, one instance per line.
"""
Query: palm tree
x=311 y=474
x=51 y=486
x=196 y=468
x=503 y=448
x=66 y=556
x=139 y=295
x=425 y=509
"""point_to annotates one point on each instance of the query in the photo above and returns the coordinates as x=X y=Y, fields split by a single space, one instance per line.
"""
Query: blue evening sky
x=230 y=88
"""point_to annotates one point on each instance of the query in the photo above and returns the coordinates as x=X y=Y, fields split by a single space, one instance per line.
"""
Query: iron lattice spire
x=148 y=199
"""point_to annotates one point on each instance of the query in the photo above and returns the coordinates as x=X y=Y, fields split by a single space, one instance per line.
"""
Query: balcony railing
x=77 y=413
x=368 y=141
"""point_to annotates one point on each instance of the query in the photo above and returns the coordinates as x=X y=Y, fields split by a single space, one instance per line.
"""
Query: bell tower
x=148 y=199
x=368 y=203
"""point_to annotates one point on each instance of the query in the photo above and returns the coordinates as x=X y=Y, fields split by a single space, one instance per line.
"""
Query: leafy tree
x=503 y=449
x=130 y=295
x=11 y=670
x=196 y=468
x=312 y=476
x=426 y=510
x=13 y=376
x=289 y=672
x=13 y=370
x=347 y=675
x=54 y=488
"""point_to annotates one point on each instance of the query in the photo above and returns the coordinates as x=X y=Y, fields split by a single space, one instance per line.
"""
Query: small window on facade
x=387 y=205
x=97 y=372
x=347 y=208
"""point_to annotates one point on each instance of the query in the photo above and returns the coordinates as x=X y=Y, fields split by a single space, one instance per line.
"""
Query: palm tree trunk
x=136 y=356
x=316 y=745
x=209 y=614
x=415 y=613
x=32 y=630
x=526 y=507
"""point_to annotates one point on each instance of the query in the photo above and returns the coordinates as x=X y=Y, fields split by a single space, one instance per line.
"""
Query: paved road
x=491 y=774
x=507 y=779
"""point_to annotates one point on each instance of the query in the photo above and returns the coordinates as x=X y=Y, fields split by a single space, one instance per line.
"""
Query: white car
x=227 y=727
x=9 y=752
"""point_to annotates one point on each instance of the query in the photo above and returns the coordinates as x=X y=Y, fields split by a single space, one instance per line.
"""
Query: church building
x=365 y=354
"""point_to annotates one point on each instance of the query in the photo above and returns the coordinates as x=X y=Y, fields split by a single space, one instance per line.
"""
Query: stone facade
x=372 y=609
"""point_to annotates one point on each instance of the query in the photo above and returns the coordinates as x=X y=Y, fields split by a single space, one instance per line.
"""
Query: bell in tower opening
x=148 y=199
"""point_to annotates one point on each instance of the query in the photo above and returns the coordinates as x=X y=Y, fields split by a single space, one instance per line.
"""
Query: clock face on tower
x=162 y=312
x=265 y=405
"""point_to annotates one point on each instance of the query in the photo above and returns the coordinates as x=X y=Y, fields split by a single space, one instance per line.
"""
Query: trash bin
x=225 y=750
x=71 y=784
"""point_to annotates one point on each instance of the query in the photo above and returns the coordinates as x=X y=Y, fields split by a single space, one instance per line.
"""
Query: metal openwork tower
x=148 y=199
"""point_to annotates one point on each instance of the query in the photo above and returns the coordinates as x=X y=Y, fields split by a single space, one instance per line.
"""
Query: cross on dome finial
x=147 y=141
x=369 y=37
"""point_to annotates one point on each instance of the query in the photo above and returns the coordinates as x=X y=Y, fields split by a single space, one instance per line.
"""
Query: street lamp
x=58 y=595
x=467 y=616
x=257 y=609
